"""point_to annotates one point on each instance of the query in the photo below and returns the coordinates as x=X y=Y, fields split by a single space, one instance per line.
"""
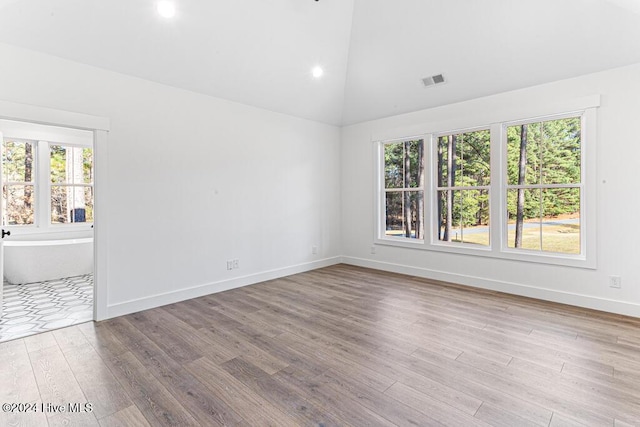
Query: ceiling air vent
x=433 y=80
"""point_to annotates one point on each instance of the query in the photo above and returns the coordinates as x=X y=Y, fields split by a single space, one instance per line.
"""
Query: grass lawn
x=561 y=238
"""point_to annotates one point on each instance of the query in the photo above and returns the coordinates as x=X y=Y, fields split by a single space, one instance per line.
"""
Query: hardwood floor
x=337 y=346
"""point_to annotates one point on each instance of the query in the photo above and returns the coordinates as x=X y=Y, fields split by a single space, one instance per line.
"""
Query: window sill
x=61 y=228
x=565 y=260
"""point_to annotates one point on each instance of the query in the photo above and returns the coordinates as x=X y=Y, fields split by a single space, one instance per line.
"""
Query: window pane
x=87 y=165
x=58 y=164
x=393 y=165
x=523 y=149
x=561 y=220
x=414 y=150
x=466 y=157
x=524 y=217
x=443 y=161
x=549 y=151
x=463 y=216
x=71 y=165
x=71 y=204
x=18 y=204
x=449 y=161
x=88 y=204
x=404 y=214
x=393 y=217
x=473 y=159
x=18 y=161
x=444 y=220
x=404 y=164
x=561 y=151
x=59 y=205
x=550 y=220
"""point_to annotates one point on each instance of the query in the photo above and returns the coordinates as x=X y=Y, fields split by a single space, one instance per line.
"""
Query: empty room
x=319 y=212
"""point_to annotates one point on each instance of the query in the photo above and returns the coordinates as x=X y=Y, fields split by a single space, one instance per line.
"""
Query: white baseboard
x=146 y=303
x=608 y=305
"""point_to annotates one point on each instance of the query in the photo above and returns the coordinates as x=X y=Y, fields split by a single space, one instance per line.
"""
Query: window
x=404 y=189
x=46 y=184
x=71 y=184
x=463 y=169
x=544 y=187
x=514 y=190
x=19 y=182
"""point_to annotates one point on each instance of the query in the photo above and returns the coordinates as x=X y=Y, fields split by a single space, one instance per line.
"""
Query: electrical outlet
x=230 y=265
x=373 y=249
x=236 y=264
x=615 y=282
x=314 y=250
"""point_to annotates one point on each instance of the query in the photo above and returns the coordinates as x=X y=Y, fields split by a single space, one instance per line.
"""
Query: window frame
x=380 y=234
x=541 y=186
x=498 y=216
x=42 y=191
x=434 y=241
x=33 y=183
x=67 y=185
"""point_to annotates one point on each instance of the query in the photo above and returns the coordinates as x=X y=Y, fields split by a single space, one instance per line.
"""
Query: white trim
x=587 y=187
x=100 y=127
x=578 y=300
x=459 y=131
x=588 y=220
x=28 y=131
x=525 y=109
x=49 y=116
x=43 y=190
x=158 y=300
x=496 y=198
x=498 y=227
x=380 y=191
x=1 y=239
x=101 y=225
x=42 y=184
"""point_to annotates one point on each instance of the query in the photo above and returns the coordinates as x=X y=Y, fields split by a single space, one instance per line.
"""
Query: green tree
x=522 y=170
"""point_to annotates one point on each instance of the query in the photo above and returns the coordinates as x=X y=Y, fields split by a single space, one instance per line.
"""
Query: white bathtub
x=40 y=260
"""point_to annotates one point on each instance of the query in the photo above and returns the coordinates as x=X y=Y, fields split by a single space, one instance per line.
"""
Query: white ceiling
x=374 y=52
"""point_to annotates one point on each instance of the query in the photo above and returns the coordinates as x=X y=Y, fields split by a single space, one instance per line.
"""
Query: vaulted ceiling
x=374 y=53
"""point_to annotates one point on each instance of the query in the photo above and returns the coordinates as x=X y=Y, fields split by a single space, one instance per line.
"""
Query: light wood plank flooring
x=337 y=346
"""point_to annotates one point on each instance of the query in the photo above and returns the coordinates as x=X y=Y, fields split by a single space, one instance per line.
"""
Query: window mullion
x=43 y=206
x=543 y=186
x=497 y=194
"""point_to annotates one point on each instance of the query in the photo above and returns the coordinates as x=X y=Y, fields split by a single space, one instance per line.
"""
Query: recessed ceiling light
x=317 y=72
x=166 y=9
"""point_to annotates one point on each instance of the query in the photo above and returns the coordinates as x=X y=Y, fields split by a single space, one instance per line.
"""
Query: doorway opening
x=48 y=228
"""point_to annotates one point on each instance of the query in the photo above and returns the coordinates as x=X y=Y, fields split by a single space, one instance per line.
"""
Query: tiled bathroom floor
x=37 y=307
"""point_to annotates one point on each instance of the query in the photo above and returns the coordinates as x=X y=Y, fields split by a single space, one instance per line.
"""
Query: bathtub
x=40 y=260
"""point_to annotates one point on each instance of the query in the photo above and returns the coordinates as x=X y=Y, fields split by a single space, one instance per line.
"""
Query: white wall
x=618 y=204
x=194 y=181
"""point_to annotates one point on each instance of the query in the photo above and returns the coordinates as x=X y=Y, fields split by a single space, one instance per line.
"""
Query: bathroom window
x=46 y=184
x=18 y=190
x=71 y=184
